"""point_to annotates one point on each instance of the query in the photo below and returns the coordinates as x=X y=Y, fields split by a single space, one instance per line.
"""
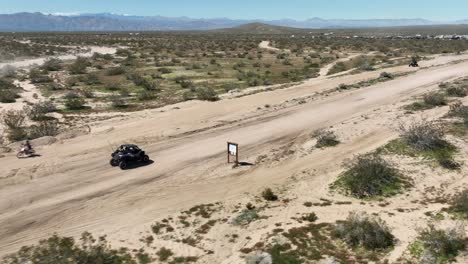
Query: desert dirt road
x=71 y=188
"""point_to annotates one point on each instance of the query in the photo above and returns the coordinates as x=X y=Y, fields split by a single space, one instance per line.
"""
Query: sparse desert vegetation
x=336 y=165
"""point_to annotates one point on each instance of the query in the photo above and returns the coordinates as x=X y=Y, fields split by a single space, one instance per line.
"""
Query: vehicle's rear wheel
x=123 y=165
x=145 y=159
x=114 y=163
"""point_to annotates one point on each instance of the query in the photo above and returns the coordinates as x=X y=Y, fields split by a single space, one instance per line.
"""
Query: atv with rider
x=126 y=154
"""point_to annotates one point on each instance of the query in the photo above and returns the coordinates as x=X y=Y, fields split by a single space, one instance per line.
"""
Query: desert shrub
x=268 y=195
x=207 y=94
x=8 y=91
x=66 y=250
x=8 y=71
x=362 y=230
x=423 y=135
x=113 y=87
x=245 y=217
x=164 y=254
x=36 y=76
x=75 y=103
x=150 y=85
x=55 y=87
x=343 y=87
x=459 y=110
x=164 y=70
x=118 y=102
x=456 y=91
x=92 y=79
x=386 y=75
x=44 y=128
x=310 y=217
x=441 y=245
x=459 y=204
x=87 y=92
x=369 y=175
x=115 y=71
x=79 y=66
x=52 y=64
x=146 y=96
x=39 y=111
x=16 y=134
x=435 y=99
x=325 y=138
x=13 y=119
x=8 y=96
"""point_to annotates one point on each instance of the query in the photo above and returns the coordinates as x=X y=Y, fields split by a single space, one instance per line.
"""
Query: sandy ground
x=266 y=45
x=39 y=61
x=71 y=188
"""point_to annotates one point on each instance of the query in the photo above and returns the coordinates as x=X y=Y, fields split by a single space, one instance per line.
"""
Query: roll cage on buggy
x=126 y=154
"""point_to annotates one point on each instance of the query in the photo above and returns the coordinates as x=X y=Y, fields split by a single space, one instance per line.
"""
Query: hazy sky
x=263 y=9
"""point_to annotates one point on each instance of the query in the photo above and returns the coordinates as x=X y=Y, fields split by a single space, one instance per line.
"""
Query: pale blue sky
x=445 y=10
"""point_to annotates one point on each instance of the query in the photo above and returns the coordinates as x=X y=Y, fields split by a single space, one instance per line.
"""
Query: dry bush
x=456 y=91
x=44 y=128
x=362 y=230
x=369 y=175
x=435 y=99
x=118 y=102
x=13 y=119
x=423 y=135
x=38 y=111
x=79 y=66
x=52 y=64
x=442 y=245
x=325 y=138
x=459 y=110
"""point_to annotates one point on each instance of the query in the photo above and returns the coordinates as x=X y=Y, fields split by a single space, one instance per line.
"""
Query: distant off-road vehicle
x=126 y=154
x=414 y=63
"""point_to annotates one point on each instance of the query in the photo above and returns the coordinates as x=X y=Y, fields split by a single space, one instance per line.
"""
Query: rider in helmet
x=27 y=146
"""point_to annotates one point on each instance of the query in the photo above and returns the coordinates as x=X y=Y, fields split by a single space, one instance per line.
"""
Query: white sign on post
x=232 y=150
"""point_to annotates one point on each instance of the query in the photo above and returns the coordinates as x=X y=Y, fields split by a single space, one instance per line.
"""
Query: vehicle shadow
x=136 y=165
x=30 y=156
x=243 y=163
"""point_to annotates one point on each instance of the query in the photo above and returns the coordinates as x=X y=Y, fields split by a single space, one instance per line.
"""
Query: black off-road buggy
x=126 y=154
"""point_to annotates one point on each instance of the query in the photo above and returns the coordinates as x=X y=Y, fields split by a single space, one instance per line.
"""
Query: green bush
x=368 y=176
x=65 y=250
x=245 y=217
x=459 y=204
x=268 y=195
x=115 y=71
x=77 y=103
x=79 y=66
x=362 y=230
x=207 y=94
x=52 y=64
x=164 y=254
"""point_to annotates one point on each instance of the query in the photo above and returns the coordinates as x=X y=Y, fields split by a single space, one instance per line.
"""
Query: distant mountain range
x=113 y=22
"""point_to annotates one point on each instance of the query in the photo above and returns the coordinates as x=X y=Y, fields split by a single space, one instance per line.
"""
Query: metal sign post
x=232 y=150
